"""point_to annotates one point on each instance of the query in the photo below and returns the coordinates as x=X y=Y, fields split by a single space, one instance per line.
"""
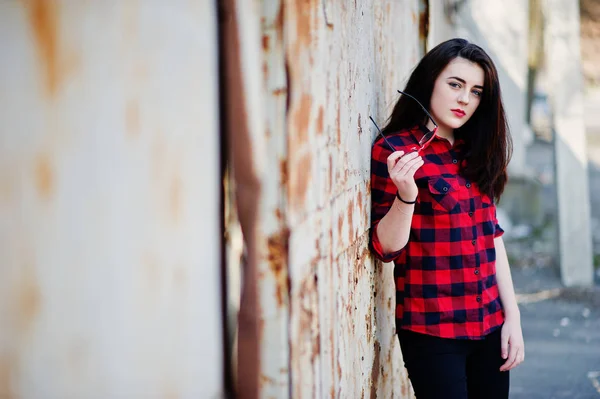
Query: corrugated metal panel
x=345 y=62
x=109 y=241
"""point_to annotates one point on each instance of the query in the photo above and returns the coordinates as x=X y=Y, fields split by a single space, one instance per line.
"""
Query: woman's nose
x=463 y=98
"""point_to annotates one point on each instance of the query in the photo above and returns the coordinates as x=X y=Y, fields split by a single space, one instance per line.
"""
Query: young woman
x=435 y=179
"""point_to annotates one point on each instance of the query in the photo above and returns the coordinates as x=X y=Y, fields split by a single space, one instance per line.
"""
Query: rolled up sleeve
x=383 y=193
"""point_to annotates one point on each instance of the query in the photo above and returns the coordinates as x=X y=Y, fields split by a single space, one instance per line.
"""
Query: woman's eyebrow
x=464 y=82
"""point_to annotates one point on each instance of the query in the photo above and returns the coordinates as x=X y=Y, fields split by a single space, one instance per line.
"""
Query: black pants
x=442 y=368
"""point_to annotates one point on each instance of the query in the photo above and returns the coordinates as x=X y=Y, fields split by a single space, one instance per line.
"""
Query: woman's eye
x=455 y=85
x=477 y=93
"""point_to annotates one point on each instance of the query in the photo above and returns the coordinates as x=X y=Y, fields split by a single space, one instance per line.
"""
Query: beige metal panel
x=109 y=215
x=345 y=62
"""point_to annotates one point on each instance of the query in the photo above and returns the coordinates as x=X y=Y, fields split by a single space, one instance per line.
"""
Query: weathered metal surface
x=273 y=269
x=109 y=232
x=345 y=61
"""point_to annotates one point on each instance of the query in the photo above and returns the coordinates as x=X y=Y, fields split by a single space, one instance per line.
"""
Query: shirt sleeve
x=498 y=231
x=383 y=193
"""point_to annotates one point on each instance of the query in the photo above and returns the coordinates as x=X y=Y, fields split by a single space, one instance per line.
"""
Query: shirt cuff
x=498 y=231
x=378 y=251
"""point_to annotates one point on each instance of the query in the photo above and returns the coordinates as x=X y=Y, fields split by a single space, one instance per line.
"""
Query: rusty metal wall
x=327 y=327
x=109 y=214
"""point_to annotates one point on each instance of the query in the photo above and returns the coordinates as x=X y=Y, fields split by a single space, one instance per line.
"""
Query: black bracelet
x=406 y=202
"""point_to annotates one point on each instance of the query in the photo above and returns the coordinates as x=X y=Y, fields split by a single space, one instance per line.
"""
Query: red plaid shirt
x=445 y=276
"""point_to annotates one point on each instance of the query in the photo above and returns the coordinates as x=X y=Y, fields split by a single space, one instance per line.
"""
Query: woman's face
x=456 y=94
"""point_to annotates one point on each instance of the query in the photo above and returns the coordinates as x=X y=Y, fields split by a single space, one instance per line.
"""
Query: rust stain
x=265 y=42
x=375 y=369
x=279 y=92
x=404 y=389
x=340 y=225
x=279 y=19
x=6 y=368
x=300 y=179
x=320 y=120
x=43 y=17
x=266 y=380
x=360 y=201
x=277 y=257
x=302 y=118
x=304 y=28
x=132 y=118
x=29 y=299
x=330 y=173
x=175 y=198
x=44 y=177
x=265 y=70
x=424 y=22
x=279 y=215
x=338 y=116
x=283 y=172
x=350 y=221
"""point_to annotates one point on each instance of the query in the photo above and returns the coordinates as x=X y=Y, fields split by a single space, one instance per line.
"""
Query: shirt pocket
x=443 y=192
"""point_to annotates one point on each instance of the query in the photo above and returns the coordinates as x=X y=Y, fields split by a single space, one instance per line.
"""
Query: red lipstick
x=458 y=112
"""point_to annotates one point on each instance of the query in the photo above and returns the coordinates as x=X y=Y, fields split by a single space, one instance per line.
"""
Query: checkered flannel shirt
x=445 y=276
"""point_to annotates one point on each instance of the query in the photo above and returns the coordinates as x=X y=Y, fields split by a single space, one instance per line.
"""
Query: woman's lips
x=459 y=113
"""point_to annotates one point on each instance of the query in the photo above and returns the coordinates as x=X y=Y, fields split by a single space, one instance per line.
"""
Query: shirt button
x=454 y=161
x=470 y=213
x=445 y=189
x=473 y=242
x=476 y=271
x=478 y=299
x=468 y=185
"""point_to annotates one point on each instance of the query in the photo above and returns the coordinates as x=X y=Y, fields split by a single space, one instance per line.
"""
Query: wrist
x=405 y=200
x=512 y=313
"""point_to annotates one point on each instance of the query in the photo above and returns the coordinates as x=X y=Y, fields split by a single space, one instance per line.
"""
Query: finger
x=411 y=172
x=504 y=345
x=399 y=163
x=402 y=167
x=393 y=158
x=512 y=355
x=517 y=359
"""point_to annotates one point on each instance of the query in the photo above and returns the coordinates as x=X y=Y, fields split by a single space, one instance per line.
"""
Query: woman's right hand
x=401 y=169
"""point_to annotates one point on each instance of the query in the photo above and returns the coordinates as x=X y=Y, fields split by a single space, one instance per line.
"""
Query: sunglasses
x=427 y=137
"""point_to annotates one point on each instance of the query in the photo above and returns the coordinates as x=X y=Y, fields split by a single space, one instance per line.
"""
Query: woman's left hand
x=513 y=346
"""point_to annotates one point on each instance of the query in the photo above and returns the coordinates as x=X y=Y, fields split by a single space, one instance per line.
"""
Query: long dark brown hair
x=488 y=145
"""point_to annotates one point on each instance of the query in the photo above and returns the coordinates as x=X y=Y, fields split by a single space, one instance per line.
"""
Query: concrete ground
x=561 y=328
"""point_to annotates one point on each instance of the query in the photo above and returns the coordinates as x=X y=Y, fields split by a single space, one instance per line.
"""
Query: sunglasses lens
x=426 y=138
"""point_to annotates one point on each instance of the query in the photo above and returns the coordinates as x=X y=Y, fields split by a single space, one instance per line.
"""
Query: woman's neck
x=442 y=132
